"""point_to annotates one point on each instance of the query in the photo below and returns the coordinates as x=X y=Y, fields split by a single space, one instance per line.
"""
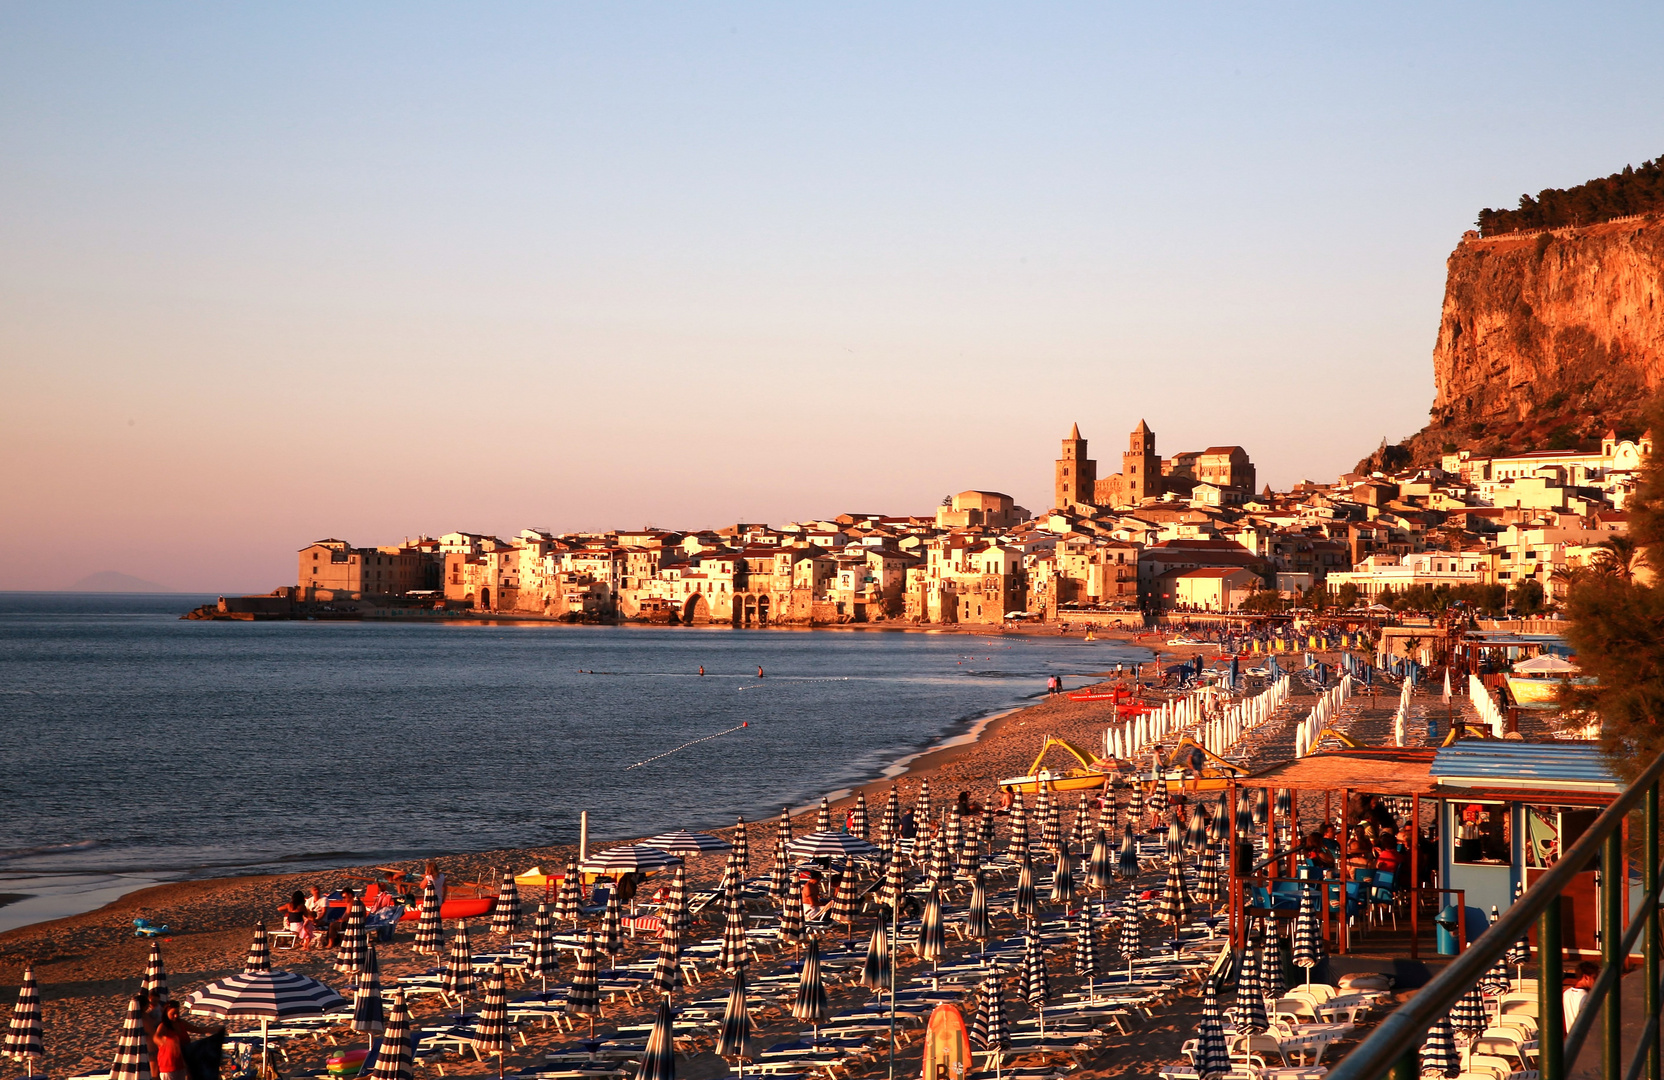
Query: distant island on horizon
x=114 y=581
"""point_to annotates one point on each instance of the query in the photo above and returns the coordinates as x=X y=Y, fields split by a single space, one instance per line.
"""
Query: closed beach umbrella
x=260 y=951
x=1285 y=805
x=24 y=1040
x=1213 y=1057
x=367 y=1013
x=1051 y=829
x=783 y=831
x=132 y=1061
x=875 y=970
x=659 y=1063
x=988 y=827
x=1135 y=806
x=1128 y=942
x=1438 y=1049
x=569 y=900
x=977 y=926
x=1109 y=812
x=1259 y=807
x=1086 y=943
x=889 y=825
x=990 y=1029
x=921 y=805
x=1158 y=800
x=1100 y=868
x=1128 y=864
x=1250 y=998
x=823 y=816
x=1175 y=898
x=354 y=940
x=742 y=847
x=1042 y=803
x=583 y=997
x=676 y=906
x=430 y=932
x=938 y=859
x=1196 y=832
x=1175 y=842
x=1308 y=932
x=1218 y=830
x=1078 y=831
x=734 y=954
x=1037 y=984
x=843 y=902
x=731 y=875
x=736 y=1022
x=932 y=939
x=505 y=913
x=458 y=973
x=780 y=876
x=491 y=1032
x=953 y=838
x=1019 y=825
x=683 y=843
x=1468 y=1014
x=269 y=995
x=1273 y=982
x=791 y=917
x=1063 y=878
x=810 y=1003
x=1495 y=982
x=860 y=816
x=1210 y=886
x=394 y=1058
x=667 y=973
x=895 y=882
x=544 y=959
x=1027 y=904
x=1244 y=816
x=830 y=845
x=155 y=974
x=611 y=940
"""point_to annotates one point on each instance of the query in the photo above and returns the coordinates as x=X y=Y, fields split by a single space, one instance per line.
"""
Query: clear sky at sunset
x=270 y=273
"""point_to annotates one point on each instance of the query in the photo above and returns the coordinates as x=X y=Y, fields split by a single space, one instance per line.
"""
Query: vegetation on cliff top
x=1636 y=190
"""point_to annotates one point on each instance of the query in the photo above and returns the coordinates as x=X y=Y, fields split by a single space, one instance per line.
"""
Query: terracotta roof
x=1374 y=771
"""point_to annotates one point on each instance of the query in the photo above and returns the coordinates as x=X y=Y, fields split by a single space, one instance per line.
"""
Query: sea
x=136 y=747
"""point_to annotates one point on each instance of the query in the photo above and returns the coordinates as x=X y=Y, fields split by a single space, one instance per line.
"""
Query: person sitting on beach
x=909 y=826
x=1386 y=851
x=1360 y=853
x=1317 y=857
x=297 y=918
x=317 y=905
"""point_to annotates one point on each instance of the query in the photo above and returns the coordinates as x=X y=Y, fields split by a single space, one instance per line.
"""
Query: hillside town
x=1184 y=533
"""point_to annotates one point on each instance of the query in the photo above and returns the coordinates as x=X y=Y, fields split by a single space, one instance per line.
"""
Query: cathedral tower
x=1141 y=466
x=1076 y=473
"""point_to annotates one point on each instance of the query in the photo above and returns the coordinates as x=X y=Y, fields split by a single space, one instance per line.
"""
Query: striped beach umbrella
x=987 y=830
x=367 y=1014
x=1308 y=932
x=989 y=1028
x=921 y=805
x=1285 y=806
x=1250 y=997
x=810 y=1003
x=780 y=876
x=667 y=973
x=569 y=900
x=1158 y=802
x=783 y=831
x=1244 y=816
x=1078 y=831
x=1086 y=943
x=1260 y=805
x=830 y=845
x=430 y=931
x=611 y=940
x=1037 y=984
x=1438 y=1049
x=1042 y=803
x=1273 y=979
x=682 y=843
x=583 y=997
x=932 y=938
x=1174 y=908
x=1174 y=842
x=1026 y=904
x=875 y=969
x=843 y=902
x=269 y=995
x=505 y=913
x=1135 y=806
x=394 y=1057
x=1109 y=812
x=24 y=1039
x=132 y=1060
x=1100 y=868
x=970 y=849
x=155 y=981
x=628 y=858
x=1128 y=942
x=823 y=816
x=791 y=918
x=889 y=824
x=1051 y=829
x=1196 y=830
x=742 y=847
x=977 y=924
x=491 y=1030
x=457 y=975
x=859 y=824
x=1128 y=864
x=545 y=960
x=1218 y=827
x=1063 y=878
x=731 y=875
x=736 y=1022
x=1495 y=980
x=953 y=839
x=1019 y=825
x=659 y=1063
x=676 y=904
x=734 y=953
x=1213 y=1057
x=1467 y=1016
x=895 y=882
x=259 y=951
x=355 y=940
x=939 y=859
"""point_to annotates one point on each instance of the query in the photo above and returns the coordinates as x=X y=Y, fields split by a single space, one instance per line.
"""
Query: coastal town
x=1190 y=532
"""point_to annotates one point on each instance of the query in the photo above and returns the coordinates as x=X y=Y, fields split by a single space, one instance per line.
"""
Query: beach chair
x=1382 y=896
x=384 y=922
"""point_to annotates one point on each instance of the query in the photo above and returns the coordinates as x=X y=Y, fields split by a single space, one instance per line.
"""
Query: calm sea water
x=134 y=742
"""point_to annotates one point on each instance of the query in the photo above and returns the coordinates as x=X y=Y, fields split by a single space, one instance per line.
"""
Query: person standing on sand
x=168 y=1037
x=432 y=876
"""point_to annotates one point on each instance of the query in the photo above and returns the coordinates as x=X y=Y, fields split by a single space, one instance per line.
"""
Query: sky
x=271 y=273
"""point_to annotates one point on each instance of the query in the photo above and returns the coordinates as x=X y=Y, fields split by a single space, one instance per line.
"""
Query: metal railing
x=1393 y=1048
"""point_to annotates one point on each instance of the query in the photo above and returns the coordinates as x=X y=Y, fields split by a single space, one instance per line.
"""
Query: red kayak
x=467 y=908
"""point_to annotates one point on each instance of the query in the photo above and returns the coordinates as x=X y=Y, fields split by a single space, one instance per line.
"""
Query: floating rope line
x=685 y=745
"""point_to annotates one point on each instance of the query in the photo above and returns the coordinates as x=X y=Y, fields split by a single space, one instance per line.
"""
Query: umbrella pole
x=264 y=1063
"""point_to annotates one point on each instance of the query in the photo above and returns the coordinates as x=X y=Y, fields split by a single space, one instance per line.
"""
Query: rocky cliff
x=1546 y=340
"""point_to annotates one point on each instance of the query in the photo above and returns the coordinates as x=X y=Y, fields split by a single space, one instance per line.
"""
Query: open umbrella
x=583 y=997
x=859 y=825
x=1019 y=826
x=742 y=847
x=260 y=951
x=367 y=1015
x=843 y=903
x=155 y=975
x=355 y=939
x=132 y=1061
x=932 y=939
x=977 y=926
x=430 y=931
x=1063 y=878
x=631 y=858
x=990 y=1029
x=505 y=913
x=569 y=900
x=457 y=975
x=491 y=1032
x=736 y=1024
x=810 y=1003
x=830 y=845
x=611 y=940
x=544 y=960
x=1037 y=985
x=659 y=1063
x=24 y=1041
x=1250 y=998
x=734 y=954
x=1027 y=904
x=1128 y=864
x=667 y=973
x=394 y=1057
x=1213 y=1057
x=1438 y=1049
x=875 y=970
x=269 y=995
x=1308 y=933
x=683 y=843
x=823 y=816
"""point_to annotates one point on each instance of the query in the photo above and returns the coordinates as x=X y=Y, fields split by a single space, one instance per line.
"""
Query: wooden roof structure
x=1387 y=770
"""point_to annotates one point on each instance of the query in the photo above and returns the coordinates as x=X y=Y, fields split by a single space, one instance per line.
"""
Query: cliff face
x=1548 y=340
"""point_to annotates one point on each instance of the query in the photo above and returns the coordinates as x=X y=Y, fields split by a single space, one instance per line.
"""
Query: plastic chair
x=1382 y=896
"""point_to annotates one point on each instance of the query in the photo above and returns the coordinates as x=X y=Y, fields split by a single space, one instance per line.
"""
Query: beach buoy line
x=684 y=746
